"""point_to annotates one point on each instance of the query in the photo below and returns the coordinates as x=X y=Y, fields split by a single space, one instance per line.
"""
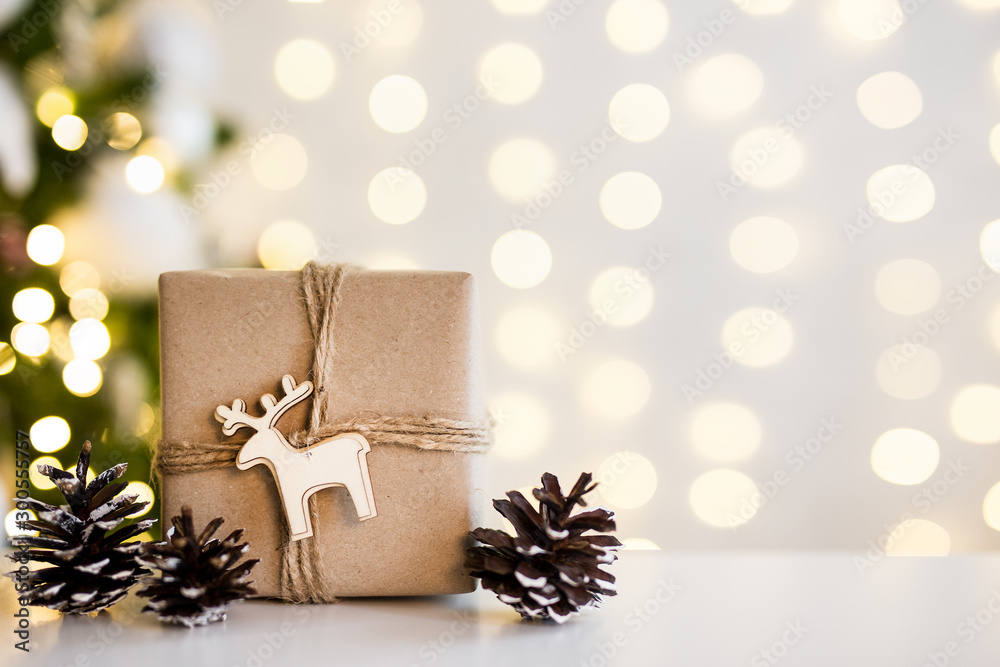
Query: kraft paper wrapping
x=407 y=343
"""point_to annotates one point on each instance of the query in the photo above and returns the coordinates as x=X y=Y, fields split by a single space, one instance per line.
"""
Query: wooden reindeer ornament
x=299 y=473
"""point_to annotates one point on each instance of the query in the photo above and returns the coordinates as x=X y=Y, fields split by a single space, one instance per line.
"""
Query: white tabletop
x=673 y=609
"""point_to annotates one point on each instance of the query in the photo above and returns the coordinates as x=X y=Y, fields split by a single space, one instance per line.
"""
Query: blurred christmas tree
x=90 y=212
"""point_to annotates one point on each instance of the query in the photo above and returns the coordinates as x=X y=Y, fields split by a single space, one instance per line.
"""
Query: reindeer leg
x=297 y=511
x=360 y=486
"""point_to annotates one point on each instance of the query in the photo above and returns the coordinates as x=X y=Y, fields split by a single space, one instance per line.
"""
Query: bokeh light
x=82 y=377
x=30 y=339
x=10 y=523
x=622 y=295
x=304 y=69
x=398 y=103
x=49 y=434
x=626 y=480
x=397 y=195
x=522 y=426
x=76 y=276
x=989 y=244
x=761 y=336
x=726 y=432
x=403 y=28
x=618 y=388
x=512 y=72
x=639 y=112
x=991 y=507
x=630 y=200
x=728 y=83
x=53 y=104
x=763 y=244
x=89 y=339
x=918 y=537
x=145 y=493
x=909 y=372
x=521 y=168
x=526 y=336
x=900 y=193
x=907 y=286
x=766 y=158
x=89 y=302
x=8 y=360
x=889 y=100
x=724 y=498
x=45 y=245
x=69 y=132
x=33 y=304
x=521 y=259
x=279 y=164
x=38 y=480
x=870 y=19
x=144 y=173
x=975 y=414
x=124 y=130
x=286 y=245
x=905 y=456
x=636 y=26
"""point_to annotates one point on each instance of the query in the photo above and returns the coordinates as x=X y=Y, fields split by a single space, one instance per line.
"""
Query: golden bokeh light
x=622 y=295
x=870 y=19
x=125 y=131
x=10 y=523
x=975 y=414
x=726 y=432
x=918 y=537
x=404 y=26
x=900 y=193
x=145 y=495
x=626 y=480
x=889 y=100
x=909 y=372
x=521 y=259
x=144 y=174
x=767 y=158
x=76 y=276
x=53 y=104
x=630 y=200
x=639 y=112
x=763 y=244
x=38 y=480
x=991 y=507
x=304 y=69
x=8 y=360
x=45 y=245
x=279 y=164
x=907 y=286
x=618 y=388
x=49 y=434
x=30 y=339
x=398 y=103
x=33 y=304
x=521 y=168
x=757 y=337
x=397 y=195
x=286 y=245
x=89 y=302
x=905 y=456
x=513 y=73
x=82 y=377
x=727 y=84
x=989 y=244
x=69 y=132
x=89 y=339
x=724 y=498
x=636 y=26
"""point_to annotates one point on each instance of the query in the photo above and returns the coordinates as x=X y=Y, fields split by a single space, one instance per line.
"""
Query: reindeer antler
x=234 y=418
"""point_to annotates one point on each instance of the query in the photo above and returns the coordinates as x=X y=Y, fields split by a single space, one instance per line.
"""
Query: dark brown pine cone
x=91 y=567
x=551 y=569
x=200 y=577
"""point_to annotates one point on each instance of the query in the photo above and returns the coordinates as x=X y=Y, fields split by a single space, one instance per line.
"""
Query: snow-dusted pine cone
x=551 y=569
x=91 y=568
x=200 y=576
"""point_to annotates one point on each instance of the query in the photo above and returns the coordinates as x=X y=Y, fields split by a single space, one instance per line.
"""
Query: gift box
x=401 y=366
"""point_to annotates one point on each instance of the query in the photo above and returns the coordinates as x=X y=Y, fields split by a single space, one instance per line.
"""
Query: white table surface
x=810 y=609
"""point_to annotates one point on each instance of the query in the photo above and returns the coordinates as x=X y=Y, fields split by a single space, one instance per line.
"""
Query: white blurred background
x=639 y=186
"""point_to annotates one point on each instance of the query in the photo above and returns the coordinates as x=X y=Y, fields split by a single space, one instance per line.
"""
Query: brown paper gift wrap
x=407 y=343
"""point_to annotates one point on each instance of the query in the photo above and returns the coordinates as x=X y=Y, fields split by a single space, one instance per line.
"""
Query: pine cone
x=92 y=568
x=200 y=577
x=551 y=569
